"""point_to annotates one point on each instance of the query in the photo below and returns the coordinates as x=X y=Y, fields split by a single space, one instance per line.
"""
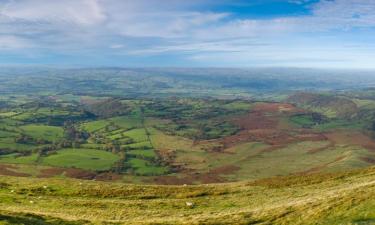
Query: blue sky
x=196 y=33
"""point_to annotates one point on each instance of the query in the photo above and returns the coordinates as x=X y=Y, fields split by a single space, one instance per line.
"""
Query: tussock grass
x=336 y=198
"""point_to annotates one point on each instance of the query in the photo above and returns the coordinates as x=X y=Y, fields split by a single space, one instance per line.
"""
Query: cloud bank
x=199 y=33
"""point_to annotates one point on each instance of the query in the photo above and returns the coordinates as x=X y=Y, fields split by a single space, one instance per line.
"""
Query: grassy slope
x=341 y=198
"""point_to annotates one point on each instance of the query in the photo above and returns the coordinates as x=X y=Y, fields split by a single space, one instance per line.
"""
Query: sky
x=195 y=33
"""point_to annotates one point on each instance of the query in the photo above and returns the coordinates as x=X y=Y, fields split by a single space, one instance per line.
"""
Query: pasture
x=48 y=133
x=88 y=159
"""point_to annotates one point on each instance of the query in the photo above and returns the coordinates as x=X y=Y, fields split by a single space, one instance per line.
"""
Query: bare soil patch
x=190 y=177
x=79 y=174
x=51 y=172
x=368 y=160
x=69 y=172
x=352 y=138
x=8 y=170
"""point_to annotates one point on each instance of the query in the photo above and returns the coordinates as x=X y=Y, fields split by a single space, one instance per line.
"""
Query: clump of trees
x=108 y=108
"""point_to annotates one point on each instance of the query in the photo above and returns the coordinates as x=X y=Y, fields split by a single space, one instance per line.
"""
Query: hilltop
x=336 y=198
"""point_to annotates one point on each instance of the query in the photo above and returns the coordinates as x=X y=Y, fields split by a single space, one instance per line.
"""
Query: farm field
x=181 y=140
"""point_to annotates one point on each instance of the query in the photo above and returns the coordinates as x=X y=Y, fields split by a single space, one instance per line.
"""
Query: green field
x=49 y=133
x=144 y=167
x=15 y=158
x=95 y=125
x=88 y=159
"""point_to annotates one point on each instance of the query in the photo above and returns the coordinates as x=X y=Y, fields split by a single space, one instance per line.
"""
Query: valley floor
x=337 y=198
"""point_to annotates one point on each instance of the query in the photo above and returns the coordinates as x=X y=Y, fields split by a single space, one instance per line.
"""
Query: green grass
x=127 y=122
x=144 y=167
x=124 y=122
x=6 y=134
x=338 y=198
x=7 y=114
x=49 y=133
x=52 y=112
x=88 y=159
x=8 y=123
x=339 y=124
x=143 y=153
x=237 y=105
x=138 y=135
x=95 y=125
x=140 y=145
x=24 y=116
x=365 y=103
x=297 y=158
x=302 y=120
x=8 y=143
x=306 y=121
x=15 y=158
x=92 y=146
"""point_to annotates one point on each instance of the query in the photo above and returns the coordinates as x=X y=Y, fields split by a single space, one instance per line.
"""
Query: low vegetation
x=336 y=198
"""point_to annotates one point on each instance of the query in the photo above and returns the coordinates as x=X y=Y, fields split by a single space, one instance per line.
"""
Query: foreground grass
x=340 y=198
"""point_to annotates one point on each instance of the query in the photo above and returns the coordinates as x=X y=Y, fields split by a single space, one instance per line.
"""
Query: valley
x=183 y=140
x=132 y=146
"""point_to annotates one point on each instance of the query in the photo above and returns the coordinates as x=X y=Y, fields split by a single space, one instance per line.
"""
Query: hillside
x=340 y=198
x=329 y=105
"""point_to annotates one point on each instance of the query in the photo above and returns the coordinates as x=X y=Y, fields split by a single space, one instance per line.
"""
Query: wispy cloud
x=198 y=29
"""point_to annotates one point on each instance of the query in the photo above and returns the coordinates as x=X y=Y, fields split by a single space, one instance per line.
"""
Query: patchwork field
x=178 y=140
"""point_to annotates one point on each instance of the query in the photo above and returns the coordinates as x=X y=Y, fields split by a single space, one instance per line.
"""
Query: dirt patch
x=8 y=170
x=229 y=169
x=264 y=123
x=108 y=177
x=79 y=174
x=172 y=180
x=352 y=138
x=368 y=160
x=274 y=107
x=256 y=120
x=51 y=172
x=213 y=176
x=69 y=172
x=264 y=116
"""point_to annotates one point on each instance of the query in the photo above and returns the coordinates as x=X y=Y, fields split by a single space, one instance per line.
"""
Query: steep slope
x=340 y=198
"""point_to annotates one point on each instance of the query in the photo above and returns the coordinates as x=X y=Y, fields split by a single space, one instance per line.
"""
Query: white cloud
x=116 y=46
x=8 y=42
x=152 y=27
x=82 y=12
